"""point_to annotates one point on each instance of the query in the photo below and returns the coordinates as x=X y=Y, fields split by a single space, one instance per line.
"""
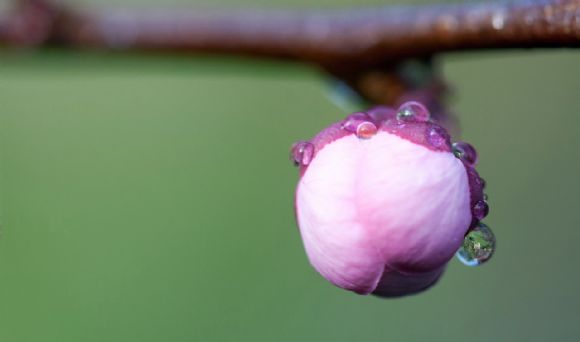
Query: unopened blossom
x=385 y=200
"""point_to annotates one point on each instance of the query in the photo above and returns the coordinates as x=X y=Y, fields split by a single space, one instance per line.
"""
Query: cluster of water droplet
x=412 y=121
x=479 y=242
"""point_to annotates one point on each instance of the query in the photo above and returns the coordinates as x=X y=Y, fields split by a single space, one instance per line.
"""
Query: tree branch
x=356 y=45
x=370 y=36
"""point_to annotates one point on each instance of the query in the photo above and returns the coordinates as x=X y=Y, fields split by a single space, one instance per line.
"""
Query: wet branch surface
x=363 y=46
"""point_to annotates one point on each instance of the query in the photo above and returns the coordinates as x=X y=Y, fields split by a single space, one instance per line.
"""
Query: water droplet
x=366 y=130
x=413 y=111
x=302 y=153
x=437 y=137
x=478 y=246
x=352 y=122
x=465 y=152
x=480 y=210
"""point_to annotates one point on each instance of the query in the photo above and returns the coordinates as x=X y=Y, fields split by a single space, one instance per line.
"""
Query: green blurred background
x=149 y=198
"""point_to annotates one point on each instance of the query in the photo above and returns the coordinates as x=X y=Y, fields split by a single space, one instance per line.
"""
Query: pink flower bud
x=383 y=203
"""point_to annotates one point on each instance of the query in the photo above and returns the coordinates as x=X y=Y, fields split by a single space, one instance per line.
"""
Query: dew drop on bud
x=302 y=153
x=478 y=246
x=413 y=111
x=480 y=210
x=366 y=130
x=354 y=120
x=465 y=152
x=437 y=137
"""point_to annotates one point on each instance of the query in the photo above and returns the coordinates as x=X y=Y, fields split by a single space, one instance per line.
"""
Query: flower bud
x=383 y=203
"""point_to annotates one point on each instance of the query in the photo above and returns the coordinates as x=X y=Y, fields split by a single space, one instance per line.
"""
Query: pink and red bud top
x=385 y=200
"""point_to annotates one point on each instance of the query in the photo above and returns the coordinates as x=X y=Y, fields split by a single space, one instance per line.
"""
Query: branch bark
x=369 y=36
x=349 y=43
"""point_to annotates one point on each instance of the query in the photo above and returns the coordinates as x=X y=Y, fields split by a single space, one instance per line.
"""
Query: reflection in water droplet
x=366 y=130
x=465 y=152
x=413 y=110
x=302 y=153
x=478 y=246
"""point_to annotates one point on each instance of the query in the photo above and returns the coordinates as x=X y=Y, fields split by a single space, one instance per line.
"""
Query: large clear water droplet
x=478 y=246
x=413 y=111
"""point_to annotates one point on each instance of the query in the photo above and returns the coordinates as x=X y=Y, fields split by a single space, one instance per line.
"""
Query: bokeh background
x=150 y=198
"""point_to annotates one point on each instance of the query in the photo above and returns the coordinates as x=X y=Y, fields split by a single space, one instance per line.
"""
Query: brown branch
x=360 y=46
x=370 y=36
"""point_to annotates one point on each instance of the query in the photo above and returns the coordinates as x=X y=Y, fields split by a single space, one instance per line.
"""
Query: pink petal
x=382 y=214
